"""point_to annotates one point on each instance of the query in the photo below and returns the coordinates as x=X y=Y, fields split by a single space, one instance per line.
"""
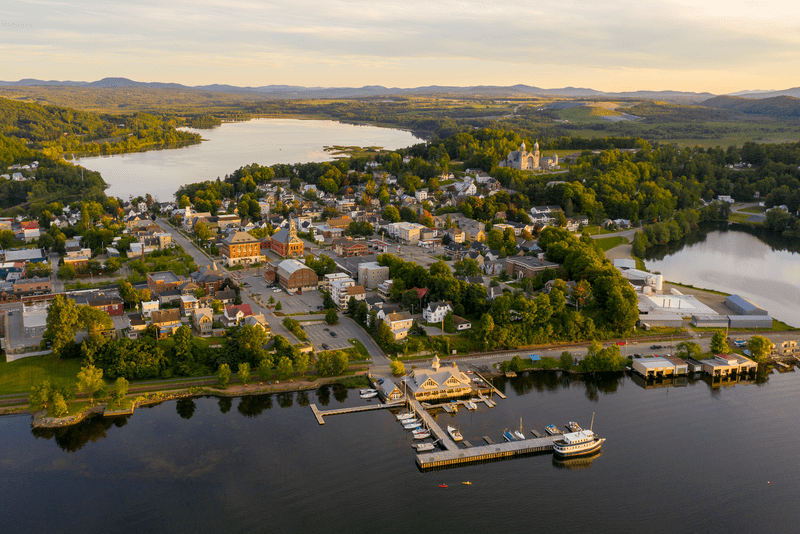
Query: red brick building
x=241 y=248
x=285 y=242
x=348 y=248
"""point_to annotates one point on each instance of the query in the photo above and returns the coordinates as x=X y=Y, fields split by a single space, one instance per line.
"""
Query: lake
x=231 y=146
x=694 y=458
x=735 y=262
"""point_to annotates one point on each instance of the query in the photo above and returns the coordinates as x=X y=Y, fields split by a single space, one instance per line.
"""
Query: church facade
x=529 y=161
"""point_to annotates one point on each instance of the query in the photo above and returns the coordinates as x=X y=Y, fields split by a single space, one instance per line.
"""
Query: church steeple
x=292 y=228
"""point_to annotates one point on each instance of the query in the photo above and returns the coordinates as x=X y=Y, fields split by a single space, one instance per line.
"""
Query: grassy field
x=586 y=114
x=607 y=243
x=360 y=348
x=738 y=217
x=595 y=230
x=754 y=209
x=20 y=375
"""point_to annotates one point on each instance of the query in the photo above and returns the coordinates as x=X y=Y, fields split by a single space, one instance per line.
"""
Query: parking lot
x=291 y=303
x=321 y=333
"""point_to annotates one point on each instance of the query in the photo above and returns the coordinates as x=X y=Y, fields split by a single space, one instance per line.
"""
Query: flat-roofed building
x=726 y=364
x=660 y=366
x=163 y=281
x=750 y=321
x=371 y=274
x=710 y=321
x=527 y=266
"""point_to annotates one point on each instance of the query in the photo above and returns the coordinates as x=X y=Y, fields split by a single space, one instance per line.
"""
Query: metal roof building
x=750 y=321
x=710 y=321
x=743 y=306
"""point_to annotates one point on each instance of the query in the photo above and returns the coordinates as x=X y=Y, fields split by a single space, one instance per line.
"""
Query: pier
x=319 y=414
x=499 y=394
x=483 y=453
x=433 y=426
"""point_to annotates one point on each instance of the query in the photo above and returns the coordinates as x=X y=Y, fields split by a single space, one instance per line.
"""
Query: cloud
x=394 y=37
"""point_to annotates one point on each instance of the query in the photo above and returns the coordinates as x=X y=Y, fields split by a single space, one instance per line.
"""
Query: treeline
x=204 y=121
x=56 y=130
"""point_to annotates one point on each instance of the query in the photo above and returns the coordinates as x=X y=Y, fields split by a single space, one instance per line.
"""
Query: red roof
x=421 y=292
x=29 y=225
x=244 y=308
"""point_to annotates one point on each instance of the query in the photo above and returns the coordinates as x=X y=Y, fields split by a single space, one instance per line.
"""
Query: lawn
x=594 y=230
x=754 y=209
x=362 y=350
x=20 y=375
x=607 y=243
x=738 y=217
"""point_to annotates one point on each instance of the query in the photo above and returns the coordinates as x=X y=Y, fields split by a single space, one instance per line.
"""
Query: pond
x=233 y=145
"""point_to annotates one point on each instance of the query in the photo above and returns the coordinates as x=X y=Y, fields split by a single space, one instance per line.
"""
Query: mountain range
x=294 y=91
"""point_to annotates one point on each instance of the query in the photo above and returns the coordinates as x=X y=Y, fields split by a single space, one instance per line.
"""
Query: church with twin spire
x=529 y=161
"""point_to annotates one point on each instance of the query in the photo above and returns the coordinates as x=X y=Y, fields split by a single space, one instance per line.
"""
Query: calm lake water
x=233 y=145
x=677 y=459
x=736 y=262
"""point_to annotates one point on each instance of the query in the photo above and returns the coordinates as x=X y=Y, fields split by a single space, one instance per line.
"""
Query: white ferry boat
x=577 y=444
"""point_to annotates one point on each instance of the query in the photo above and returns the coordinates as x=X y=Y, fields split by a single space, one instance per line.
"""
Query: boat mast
x=592 y=425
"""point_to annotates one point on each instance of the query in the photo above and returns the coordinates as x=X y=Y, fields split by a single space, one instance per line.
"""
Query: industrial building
x=660 y=366
x=750 y=321
x=709 y=321
x=727 y=364
x=743 y=306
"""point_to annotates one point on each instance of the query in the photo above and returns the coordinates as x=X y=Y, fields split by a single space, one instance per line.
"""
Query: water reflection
x=339 y=393
x=253 y=405
x=225 y=404
x=324 y=395
x=576 y=463
x=285 y=400
x=185 y=408
x=73 y=438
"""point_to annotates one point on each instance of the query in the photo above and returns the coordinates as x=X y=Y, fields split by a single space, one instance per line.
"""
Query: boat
x=552 y=430
x=508 y=436
x=574 y=427
x=365 y=391
x=519 y=435
x=467 y=483
x=580 y=443
x=369 y=395
x=423 y=435
x=442 y=485
x=423 y=447
x=471 y=405
x=454 y=433
x=412 y=426
x=409 y=420
x=406 y=415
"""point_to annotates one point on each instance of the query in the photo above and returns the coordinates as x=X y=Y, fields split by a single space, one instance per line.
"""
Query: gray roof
x=743 y=303
x=290 y=267
x=24 y=255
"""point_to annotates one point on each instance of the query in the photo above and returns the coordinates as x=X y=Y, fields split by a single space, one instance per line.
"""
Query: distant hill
x=293 y=91
x=778 y=107
x=795 y=92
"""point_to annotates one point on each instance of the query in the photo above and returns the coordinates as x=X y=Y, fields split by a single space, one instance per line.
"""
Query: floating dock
x=491 y=386
x=486 y=452
x=433 y=426
x=319 y=414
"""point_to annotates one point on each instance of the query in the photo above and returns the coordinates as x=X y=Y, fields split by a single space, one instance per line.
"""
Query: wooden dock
x=485 y=452
x=499 y=394
x=319 y=414
x=433 y=426
x=488 y=440
x=535 y=433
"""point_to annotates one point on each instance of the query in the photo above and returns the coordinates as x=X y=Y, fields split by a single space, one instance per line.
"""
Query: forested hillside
x=779 y=107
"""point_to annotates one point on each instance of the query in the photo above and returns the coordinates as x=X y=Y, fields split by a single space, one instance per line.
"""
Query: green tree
x=565 y=361
x=352 y=306
x=339 y=363
x=94 y=321
x=66 y=272
x=265 y=368
x=244 y=373
x=224 y=375
x=302 y=363
x=59 y=404
x=759 y=347
x=113 y=265
x=719 y=343
x=397 y=367
x=62 y=323
x=688 y=349
x=384 y=336
x=120 y=390
x=331 y=317
x=327 y=301
x=410 y=299
x=90 y=380
x=284 y=368
x=391 y=214
x=278 y=306
x=216 y=306
x=39 y=396
x=449 y=323
x=323 y=363
x=202 y=231
x=271 y=300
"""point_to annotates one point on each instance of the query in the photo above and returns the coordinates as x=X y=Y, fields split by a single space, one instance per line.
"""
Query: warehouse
x=710 y=321
x=750 y=321
x=743 y=306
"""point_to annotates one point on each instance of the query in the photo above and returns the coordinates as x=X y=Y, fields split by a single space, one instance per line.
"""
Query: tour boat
x=412 y=426
x=508 y=436
x=406 y=415
x=552 y=430
x=471 y=405
x=578 y=443
x=573 y=426
x=369 y=395
x=454 y=433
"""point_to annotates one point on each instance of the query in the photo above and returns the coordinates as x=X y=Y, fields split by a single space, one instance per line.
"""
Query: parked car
x=325 y=346
x=622 y=343
x=327 y=329
x=655 y=347
x=333 y=334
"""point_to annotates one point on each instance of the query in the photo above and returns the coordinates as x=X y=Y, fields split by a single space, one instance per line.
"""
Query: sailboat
x=518 y=433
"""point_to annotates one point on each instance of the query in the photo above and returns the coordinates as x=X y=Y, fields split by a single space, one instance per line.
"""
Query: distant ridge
x=779 y=107
x=296 y=91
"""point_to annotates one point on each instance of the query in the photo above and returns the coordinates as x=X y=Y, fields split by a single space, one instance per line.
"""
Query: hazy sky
x=702 y=45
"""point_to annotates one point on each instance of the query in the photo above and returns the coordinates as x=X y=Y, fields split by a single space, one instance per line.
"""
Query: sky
x=621 y=45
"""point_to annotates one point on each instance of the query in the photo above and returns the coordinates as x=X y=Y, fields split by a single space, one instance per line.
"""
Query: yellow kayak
x=467 y=483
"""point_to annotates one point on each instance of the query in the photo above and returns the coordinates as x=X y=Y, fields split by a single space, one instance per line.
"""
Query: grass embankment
x=739 y=217
x=20 y=375
x=607 y=243
x=361 y=351
x=689 y=286
x=755 y=209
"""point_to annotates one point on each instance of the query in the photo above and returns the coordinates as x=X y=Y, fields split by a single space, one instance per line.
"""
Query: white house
x=436 y=312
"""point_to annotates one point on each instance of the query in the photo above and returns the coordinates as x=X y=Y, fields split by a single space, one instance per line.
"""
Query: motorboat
x=405 y=415
x=412 y=426
x=369 y=395
x=573 y=426
x=508 y=436
x=423 y=447
x=470 y=405
x=365 y=391
x=423 y=435
x=552 y=430
x=519 y=435
x=454 y=433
